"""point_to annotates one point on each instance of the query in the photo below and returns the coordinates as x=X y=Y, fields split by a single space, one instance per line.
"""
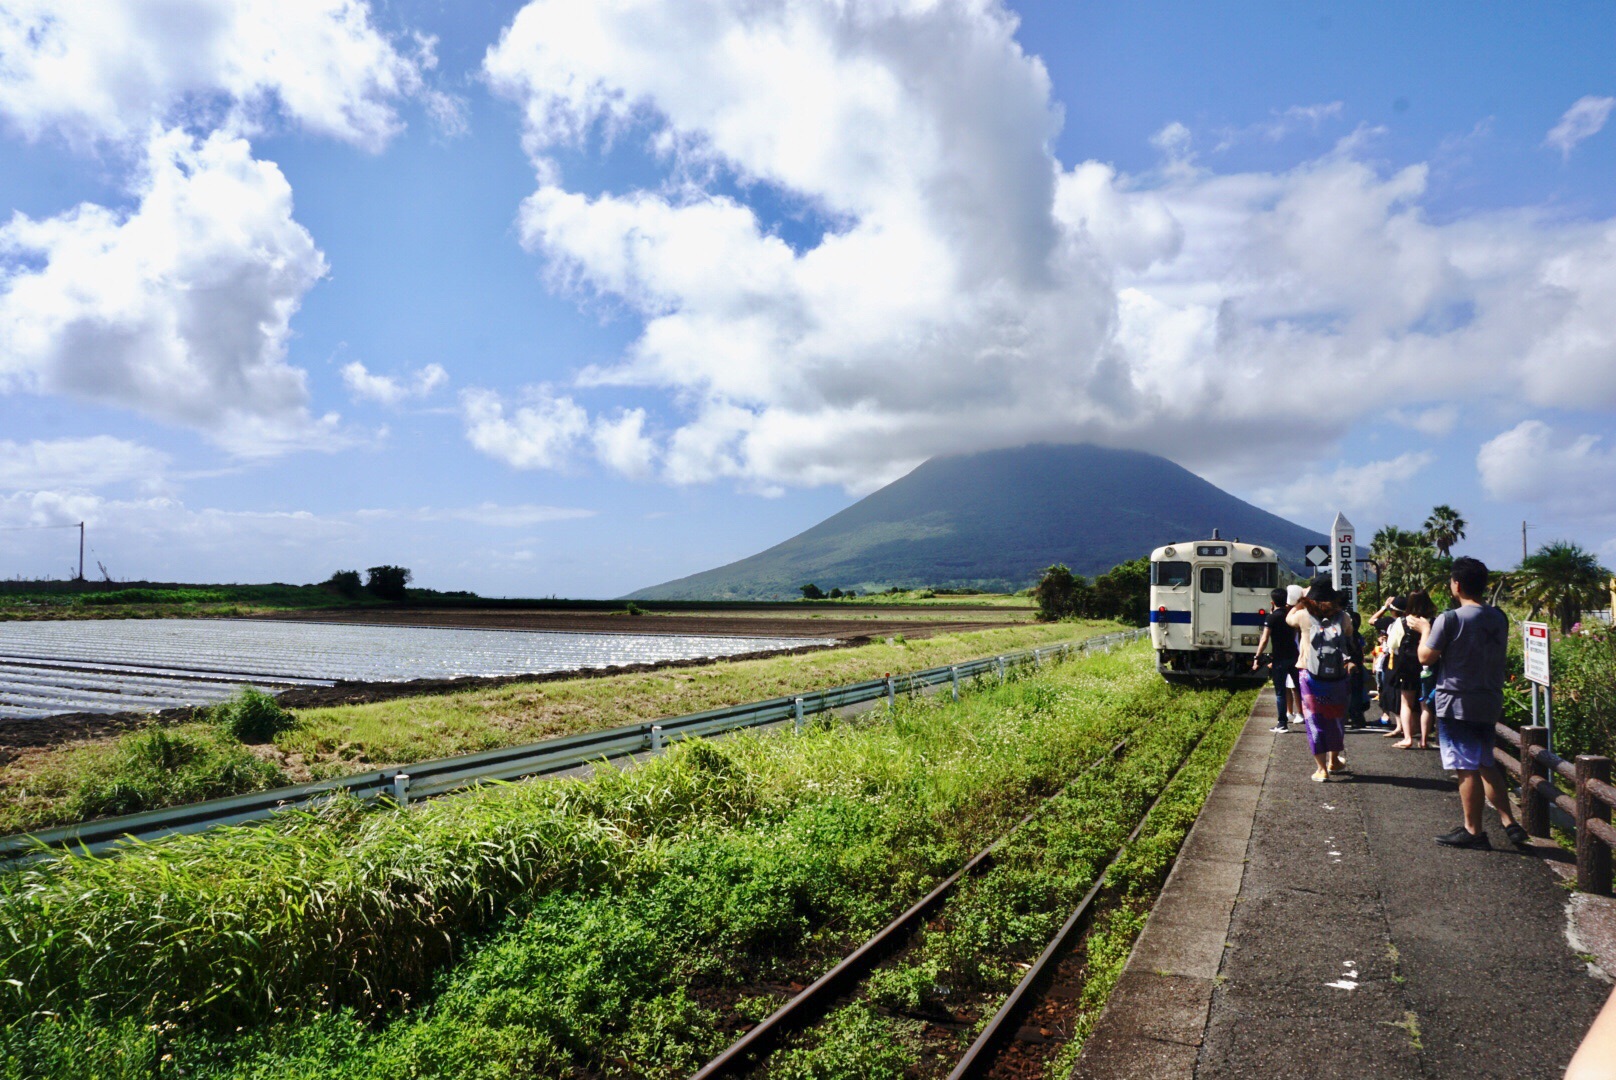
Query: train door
x=1211 y=607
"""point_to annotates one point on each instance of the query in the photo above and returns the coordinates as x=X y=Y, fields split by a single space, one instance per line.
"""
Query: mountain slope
x=993 y=520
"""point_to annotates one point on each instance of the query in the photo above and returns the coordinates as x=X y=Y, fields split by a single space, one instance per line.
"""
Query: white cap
x=1293 y=593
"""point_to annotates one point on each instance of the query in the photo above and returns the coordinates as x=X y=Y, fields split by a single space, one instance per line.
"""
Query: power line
x=79 y=527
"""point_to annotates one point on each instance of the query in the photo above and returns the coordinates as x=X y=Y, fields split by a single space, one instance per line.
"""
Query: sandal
x=1405 y=745
x=1392 y=734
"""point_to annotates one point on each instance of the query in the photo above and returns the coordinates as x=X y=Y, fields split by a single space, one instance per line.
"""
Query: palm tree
x=1562 y=578
x=1444 y=528
x=1401 y=559
x=1386 y=541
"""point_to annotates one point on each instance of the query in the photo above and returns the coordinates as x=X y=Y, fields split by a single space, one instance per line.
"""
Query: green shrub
x=154 y=596
x=345 y=583
x=1583 y=667
x=252 y=716
x=159 y=767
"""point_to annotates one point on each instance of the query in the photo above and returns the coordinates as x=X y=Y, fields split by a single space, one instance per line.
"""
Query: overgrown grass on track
x=540 y=928
x=71 y=784
x=975 y=950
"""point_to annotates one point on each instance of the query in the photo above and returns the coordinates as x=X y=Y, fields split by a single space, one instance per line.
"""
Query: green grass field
x=614 y=926
x=145 y=771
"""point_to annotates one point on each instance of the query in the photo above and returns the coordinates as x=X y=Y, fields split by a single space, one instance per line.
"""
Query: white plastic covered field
x=124 y=665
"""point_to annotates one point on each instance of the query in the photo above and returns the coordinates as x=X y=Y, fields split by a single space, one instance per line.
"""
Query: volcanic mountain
x=993 y=521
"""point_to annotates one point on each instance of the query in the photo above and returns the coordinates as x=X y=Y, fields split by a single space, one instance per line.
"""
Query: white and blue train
x=1208 y=602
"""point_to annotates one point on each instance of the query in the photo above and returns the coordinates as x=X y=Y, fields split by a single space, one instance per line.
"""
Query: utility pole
x=1523 y=541
x=81 y=551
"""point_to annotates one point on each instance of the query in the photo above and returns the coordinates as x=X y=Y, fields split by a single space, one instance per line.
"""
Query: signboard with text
x=1537 y=652
x=1345 y=562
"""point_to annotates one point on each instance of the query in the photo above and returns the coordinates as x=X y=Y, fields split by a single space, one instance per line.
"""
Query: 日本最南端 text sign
x=1344 y=561
x=1537 y=652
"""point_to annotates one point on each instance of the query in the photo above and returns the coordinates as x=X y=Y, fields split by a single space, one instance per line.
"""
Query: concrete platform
x=1315 y=930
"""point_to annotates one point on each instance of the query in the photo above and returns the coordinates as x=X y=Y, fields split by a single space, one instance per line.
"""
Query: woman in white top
x=1329 y=655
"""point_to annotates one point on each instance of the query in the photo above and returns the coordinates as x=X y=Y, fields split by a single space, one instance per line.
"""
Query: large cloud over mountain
x=969 y=290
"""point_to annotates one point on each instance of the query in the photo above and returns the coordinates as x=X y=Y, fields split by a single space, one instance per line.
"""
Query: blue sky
x=559 y=299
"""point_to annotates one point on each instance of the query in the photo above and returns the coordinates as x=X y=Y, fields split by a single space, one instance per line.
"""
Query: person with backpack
x=1329 y=656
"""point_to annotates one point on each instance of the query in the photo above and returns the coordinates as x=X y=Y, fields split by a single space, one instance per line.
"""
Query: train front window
x=1256 y=575
x=1170 y=573
x=1211 y=579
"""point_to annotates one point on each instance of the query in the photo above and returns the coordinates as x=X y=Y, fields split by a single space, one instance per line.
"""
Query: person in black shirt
x=1278 y=633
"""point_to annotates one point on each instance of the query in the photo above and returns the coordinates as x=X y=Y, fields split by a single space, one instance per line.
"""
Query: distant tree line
x=1121 y=593
x=811 y=591
x=381 y=582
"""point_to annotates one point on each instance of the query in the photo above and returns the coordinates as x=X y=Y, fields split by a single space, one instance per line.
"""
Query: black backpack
x=1329 y=644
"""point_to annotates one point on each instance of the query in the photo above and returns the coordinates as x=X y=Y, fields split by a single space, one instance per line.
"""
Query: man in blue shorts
x=1469 y=647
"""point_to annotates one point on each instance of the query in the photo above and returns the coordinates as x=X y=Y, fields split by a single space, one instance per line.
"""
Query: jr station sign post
x=1536 y=640
x=1344 y=560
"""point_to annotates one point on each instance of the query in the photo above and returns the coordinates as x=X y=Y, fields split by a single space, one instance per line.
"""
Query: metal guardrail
x=425 y=779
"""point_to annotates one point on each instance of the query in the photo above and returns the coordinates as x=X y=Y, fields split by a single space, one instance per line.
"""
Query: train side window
x=1255 y=575
x=1171 y=573
x=1211 y=579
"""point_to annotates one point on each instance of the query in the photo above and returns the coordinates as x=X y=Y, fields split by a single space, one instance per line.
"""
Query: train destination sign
x=1537 y=652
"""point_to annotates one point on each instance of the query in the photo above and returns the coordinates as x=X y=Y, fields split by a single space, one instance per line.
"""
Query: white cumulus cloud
x=968 y=290
x=179 y=305
x=1574 y=475
x=180 y=308
x=539 y=434
x=1353 y=487
x=78 y=464
x=109 y=69
x=1585 y=119
x=389 y=390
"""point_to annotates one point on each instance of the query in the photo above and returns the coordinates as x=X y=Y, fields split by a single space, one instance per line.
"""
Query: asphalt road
x=1359 y=948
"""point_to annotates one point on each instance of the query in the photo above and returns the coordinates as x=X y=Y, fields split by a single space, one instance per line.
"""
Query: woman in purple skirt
x=1329 y=655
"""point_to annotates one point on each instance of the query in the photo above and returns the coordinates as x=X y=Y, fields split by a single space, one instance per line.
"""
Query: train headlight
x=1257 y=552
x=1169 y=552
x=1248 y=639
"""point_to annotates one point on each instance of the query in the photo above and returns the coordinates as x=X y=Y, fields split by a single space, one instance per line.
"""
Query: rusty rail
x=811 y=1004
x=1588 y=807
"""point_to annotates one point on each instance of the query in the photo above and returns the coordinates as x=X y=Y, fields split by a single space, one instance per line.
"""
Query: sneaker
x=1321 y=776
x=1463 y=837
x=1280 y=729
x=1517 y=835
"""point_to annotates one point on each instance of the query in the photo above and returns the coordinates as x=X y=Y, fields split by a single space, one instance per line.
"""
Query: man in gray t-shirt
x=1469 y=647
x=1474 y=642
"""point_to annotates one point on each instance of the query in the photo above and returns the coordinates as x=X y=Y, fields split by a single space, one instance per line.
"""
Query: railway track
x=749 y=1055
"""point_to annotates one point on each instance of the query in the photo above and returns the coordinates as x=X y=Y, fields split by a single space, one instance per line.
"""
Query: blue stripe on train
x=1239 y=618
